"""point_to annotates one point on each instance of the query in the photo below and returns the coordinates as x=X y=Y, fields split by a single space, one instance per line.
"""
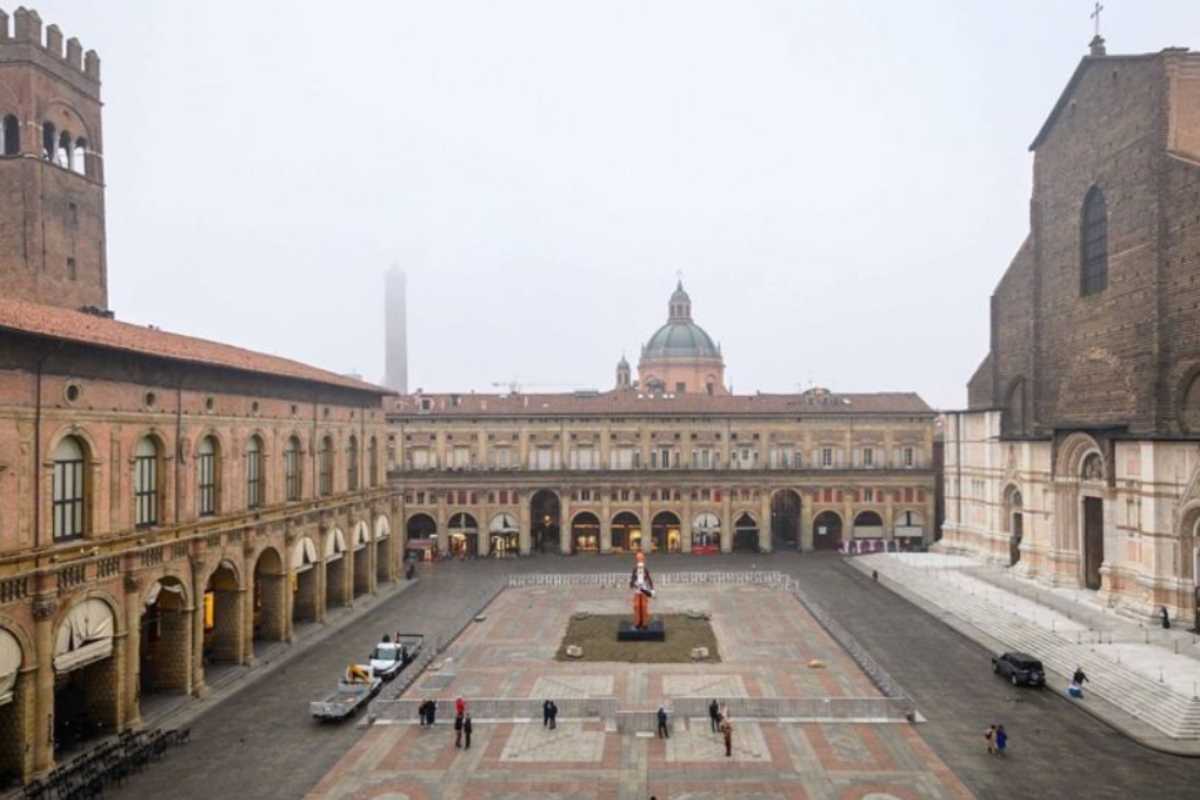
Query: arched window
x=79 y=156
x=62 y=154
x=292 y=475
x=206 y=471
x=145 y=483
x=70 y=489
x=254 y=484
x=12 y=135
x=373 y=462
x=48 y=140
x=352 y=467
x=325 y=467
x=1094 y=243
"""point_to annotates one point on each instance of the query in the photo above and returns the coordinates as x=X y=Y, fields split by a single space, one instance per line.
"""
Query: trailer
x=355 y=688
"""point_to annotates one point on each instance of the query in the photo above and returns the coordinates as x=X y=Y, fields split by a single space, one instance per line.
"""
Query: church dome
x=680 y=339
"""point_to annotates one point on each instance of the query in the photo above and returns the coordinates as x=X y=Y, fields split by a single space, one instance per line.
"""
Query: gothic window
x=206 y=473
x=48 y=141
x=69 y=489
x=373 y=462
x=145 y=483
x=352 y=467
x=12 y=136
x=79 y=156
x=291 y=469
x=62 y=154
x=254 y=483
x=1094 y=243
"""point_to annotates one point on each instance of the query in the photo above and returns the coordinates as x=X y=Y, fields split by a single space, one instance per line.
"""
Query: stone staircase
x=1174 y=714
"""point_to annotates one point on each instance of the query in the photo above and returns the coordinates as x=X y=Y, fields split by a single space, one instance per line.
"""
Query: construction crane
x=515 y=385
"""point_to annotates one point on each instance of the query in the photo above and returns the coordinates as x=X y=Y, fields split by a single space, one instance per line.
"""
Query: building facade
x=167 y=504
x=1078 y=461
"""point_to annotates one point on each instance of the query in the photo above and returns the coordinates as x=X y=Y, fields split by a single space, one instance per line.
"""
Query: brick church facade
x=167 y=504
x=1078 y=459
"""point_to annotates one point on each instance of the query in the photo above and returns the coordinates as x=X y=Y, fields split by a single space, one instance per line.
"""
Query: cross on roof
x=1096 y=15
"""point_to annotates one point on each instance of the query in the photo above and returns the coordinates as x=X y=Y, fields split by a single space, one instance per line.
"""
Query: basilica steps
x=1176 y=714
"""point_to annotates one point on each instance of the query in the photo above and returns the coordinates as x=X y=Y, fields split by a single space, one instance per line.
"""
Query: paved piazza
x=766 y=640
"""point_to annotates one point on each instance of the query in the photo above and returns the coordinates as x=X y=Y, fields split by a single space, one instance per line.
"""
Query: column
x=847 y=517
x=443 y=538
x=606 y=519
x=133 y=671
x=484 y=537
x=45 y=606
x=764 y=527
x=726 y=521
x=199 y=689
x=806 y=522
x=564 y=522
x=523 y=535
x=889 y=517
x=685 y=524
x=321 y=601
x=647 y=529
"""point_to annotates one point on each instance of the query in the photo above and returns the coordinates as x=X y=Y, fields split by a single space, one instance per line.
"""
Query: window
x=48 y=141
x=145 y=483
x=1094 y=243
x=325 y=467
x=352 y=467
x=72 y=272
x=680 y=388
x=868 y=457
x=373 y=462
x=206 y=469
x=254 y=487
x=291 y=469
x=826 y=456
x=69 y=488
x=12 y=136
x=909 y=456
x=79 y=157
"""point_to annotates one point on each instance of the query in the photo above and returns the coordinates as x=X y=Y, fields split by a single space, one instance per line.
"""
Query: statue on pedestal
x=643 y=589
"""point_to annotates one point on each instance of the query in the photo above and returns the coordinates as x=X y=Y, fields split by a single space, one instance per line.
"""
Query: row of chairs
x=87 y=775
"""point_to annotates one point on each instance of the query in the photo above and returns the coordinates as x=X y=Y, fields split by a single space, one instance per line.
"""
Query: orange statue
x=643 y=589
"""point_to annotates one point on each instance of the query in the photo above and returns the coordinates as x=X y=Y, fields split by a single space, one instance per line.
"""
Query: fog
x=841 y=184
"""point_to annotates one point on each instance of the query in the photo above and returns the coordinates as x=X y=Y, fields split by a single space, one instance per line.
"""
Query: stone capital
x=44 y=607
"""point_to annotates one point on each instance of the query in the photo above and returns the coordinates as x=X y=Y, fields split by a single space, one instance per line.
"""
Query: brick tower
x=51 y=167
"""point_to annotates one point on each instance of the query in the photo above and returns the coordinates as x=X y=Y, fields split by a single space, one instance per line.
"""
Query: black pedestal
x=654 y=632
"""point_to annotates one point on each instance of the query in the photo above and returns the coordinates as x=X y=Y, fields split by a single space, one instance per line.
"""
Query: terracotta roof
x=817 y=401
x=89 y=329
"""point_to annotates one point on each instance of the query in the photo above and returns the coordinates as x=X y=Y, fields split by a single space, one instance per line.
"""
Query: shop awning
x=85 y=636
x=362 y=536
x=158 y=587
x=335 y=545
x=304 y=555
x=10 y=665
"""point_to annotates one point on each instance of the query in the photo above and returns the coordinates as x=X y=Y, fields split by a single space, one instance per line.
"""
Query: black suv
x=1020 y=668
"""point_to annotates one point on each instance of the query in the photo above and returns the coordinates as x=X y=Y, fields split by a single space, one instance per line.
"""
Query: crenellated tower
x=52 y=239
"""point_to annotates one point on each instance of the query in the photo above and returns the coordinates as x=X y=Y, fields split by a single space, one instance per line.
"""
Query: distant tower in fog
x=396 y=324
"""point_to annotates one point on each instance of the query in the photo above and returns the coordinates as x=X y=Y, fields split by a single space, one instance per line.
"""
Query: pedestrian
x=545 y=713
x=422 y=710
x=714 y=716
x=990 y=735
x=553 y=715
x=460 y=707
x=458 y=730
x=467 y=731
x=663 y=732
x=1076 y=688
x=432 y=712
x=727 y=732
x=1001 y=739
x=1166 y=618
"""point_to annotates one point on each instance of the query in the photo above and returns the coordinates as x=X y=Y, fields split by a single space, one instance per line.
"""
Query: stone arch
x=1013 y=418
x=362 y=557
x=786 y=505
x=585 y=532
x=626 y=530
x=462 y=530
x=1187 y=402
x=706 y=533
x=827 y=531
x=868 y=525
x=269 y=599
x=666 y=532
x=1068 y=462
x=223 y=616
x=1014 y=521
x=165 y=646
x=745 y=532
x=16 y=694
x=305 y=568
x=88 y=681
x=505 y=532
x=545 y=514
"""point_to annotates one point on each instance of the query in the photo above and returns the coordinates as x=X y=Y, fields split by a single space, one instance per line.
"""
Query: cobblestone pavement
x=262 y=743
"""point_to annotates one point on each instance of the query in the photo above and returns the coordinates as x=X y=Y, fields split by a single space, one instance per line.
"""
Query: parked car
x=1019 y=668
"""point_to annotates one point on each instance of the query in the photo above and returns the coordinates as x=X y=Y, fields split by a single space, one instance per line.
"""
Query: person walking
x=460 y=707
x=553 y=715
x=545 y=713
x=714 y=716
x=1076 y=688
x=663 y=732
x=432 y=712
x=990 y=736
x=467 y=732
x=727 y=732
x=1001 y=739
x=458 y=731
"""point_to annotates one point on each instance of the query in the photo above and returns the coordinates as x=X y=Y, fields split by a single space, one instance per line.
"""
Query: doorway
x=1093 y=541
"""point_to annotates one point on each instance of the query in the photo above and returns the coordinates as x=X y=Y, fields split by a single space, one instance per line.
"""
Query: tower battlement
x=22 y=38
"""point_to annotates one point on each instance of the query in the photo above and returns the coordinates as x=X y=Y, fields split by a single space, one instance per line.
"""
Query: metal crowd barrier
x=497 y=709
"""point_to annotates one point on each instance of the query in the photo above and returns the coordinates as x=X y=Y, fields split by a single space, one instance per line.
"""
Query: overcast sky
x=841 y=183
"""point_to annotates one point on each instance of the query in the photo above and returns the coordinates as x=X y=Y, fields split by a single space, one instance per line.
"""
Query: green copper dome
x=680 y=339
